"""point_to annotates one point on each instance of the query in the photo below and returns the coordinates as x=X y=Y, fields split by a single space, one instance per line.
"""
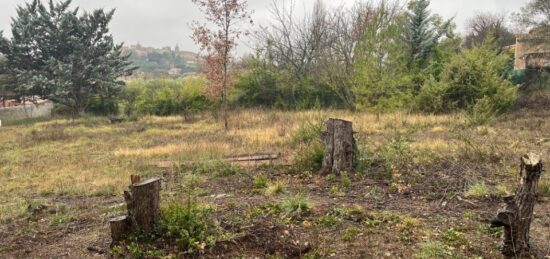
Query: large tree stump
x=339 y=143
x=143 y=204
x=517 y=214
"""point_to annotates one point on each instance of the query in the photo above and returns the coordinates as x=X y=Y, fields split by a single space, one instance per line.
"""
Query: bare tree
x=347 y=26
x=322 y=44
x=536 y=13
x=483 y=25
x=227 y=16
x=295 y=44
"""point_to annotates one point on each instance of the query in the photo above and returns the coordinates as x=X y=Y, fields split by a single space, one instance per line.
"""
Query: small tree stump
x=339 y=143
x=143 y=204
x=517 y=214
x=120 y=228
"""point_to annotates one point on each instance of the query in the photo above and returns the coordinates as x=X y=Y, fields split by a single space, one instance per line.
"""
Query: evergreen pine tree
x=422 y=33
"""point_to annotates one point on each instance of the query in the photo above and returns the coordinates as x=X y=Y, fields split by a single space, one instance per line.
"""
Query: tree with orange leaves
x=227 y=17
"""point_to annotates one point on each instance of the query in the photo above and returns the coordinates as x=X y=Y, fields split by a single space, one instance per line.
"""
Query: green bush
x=166 y=97
x=307 y=138
x=481 y=113
x=262 y=83
x=308 y=132
x=310 y=157
x=430 y=97
x=396 y=153
x=188 y=224
x=101 y=105
x=477 y=75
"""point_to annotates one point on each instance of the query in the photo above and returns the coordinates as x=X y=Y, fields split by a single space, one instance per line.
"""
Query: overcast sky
x=159 y=23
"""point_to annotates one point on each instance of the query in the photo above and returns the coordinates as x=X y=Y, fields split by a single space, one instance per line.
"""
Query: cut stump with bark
x=143 y=204
x=120 y=228
x=517 y=214
x=339 y=145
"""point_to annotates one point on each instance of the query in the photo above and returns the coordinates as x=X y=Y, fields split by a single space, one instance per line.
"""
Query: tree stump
x=339 y=143
x=120 y=228
x=517 y=214
x=143 y=204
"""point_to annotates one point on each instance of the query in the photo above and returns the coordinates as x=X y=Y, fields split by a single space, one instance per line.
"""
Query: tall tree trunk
x=224 y=98
x=225 y=63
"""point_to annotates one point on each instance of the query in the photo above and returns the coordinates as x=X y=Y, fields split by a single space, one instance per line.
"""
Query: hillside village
x=164 y=61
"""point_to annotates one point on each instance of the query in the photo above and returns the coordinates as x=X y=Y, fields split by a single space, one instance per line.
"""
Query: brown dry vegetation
x=426 y=186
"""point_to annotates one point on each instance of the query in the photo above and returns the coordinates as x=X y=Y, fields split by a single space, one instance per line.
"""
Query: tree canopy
x=535 y=13
x=484 y=25
x=422 y=32
x=65 y=55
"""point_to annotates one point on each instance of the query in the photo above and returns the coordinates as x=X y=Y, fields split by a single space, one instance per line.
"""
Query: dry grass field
x=426 y=186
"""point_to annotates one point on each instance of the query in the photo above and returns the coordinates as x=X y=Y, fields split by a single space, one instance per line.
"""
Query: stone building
x=532 y=50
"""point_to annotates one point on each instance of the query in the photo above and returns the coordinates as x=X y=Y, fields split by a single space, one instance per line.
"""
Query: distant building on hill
x=162 y=61
x=532 y=50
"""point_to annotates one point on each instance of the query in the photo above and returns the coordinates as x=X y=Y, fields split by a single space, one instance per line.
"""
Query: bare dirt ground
x=388 y=237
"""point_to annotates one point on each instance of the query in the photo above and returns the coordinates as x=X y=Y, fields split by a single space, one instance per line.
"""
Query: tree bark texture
x=120 y=228
x=143 y=204
x=339 y=145
x=517 y=214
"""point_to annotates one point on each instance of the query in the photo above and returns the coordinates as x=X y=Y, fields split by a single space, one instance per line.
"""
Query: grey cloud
x=165 y=22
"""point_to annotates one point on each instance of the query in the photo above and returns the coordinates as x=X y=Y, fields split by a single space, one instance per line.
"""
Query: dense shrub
x=476 y=74
x=100 y=105
x=260 y=84
x=166 y=96
x=431 y=95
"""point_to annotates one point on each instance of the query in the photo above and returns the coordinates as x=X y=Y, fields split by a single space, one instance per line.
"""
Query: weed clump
x=453 y=237
x=308 y=132
x=477 y=190
x=310 y=149
x=296 y=206
x=189 y=225
x=310 y=157
x=260 y=182
x=433 y=249
x=217 y=168
x=350 y=233
x=277 y=187
x=329 y=221
x=544 y=189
